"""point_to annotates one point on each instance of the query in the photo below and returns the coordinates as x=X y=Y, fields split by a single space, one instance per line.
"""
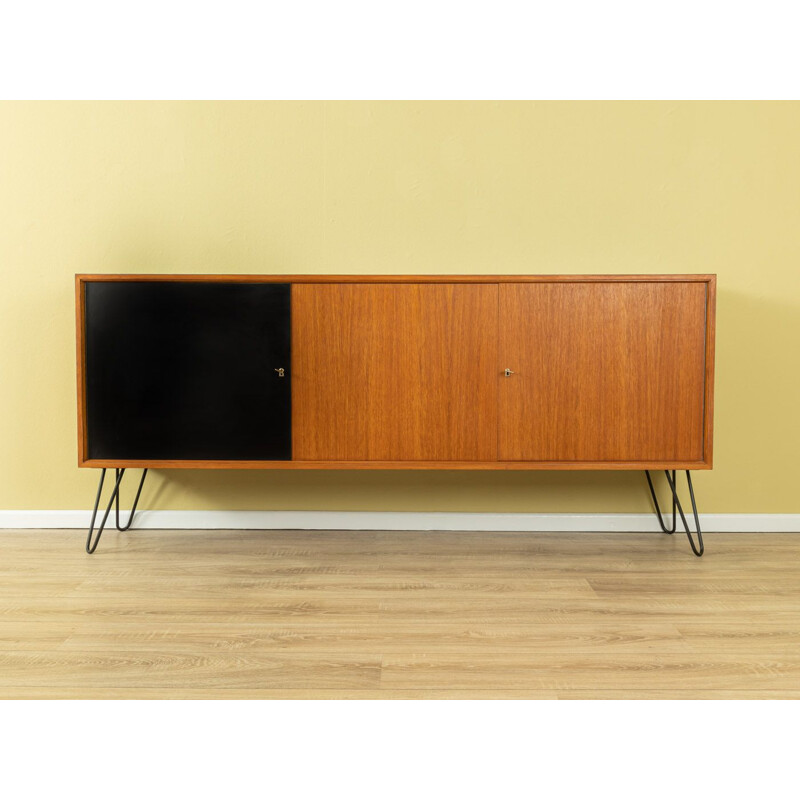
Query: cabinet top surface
x=253 y=278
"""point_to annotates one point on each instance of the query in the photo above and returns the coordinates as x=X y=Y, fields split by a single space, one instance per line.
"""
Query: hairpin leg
x=698 y=548
x=664 y=528
x=135 y=502
x=91 y=545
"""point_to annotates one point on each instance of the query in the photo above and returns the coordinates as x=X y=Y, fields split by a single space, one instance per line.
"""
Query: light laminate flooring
x=320 y=614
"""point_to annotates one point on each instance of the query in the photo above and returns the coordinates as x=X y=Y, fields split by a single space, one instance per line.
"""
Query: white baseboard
x=401 y=521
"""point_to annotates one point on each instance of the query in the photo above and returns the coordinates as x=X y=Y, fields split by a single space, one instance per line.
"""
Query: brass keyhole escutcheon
x=508 y=372
x=281 y=372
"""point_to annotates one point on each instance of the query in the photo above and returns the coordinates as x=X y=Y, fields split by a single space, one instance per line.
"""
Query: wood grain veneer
x=80 y=315
x=708 y=406
x=396 y=278
x=467 y=448
x=451 y=465
x=394 y=373
x=602 y=372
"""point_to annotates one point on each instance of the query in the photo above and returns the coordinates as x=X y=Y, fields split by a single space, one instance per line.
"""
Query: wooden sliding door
x=394 y=372
x=602 y=371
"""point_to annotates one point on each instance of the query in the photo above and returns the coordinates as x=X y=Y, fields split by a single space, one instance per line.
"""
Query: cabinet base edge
x=400 y=465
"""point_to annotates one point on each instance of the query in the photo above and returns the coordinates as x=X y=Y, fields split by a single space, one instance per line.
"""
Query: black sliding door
x=188 y=370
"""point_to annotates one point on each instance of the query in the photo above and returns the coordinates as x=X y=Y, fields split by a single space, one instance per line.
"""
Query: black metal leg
x=699 y=548
x=135 y=502
x=91 y=545
x=658 y=509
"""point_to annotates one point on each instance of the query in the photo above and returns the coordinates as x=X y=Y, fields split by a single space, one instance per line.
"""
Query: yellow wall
x=403 y=187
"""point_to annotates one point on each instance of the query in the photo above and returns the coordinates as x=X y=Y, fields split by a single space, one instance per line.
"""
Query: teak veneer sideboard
x=396 y=372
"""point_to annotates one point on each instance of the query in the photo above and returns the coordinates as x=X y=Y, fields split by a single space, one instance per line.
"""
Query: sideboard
x=396 y=372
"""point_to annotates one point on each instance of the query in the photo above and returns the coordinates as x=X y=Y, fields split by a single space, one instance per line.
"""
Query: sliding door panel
x=183 y=370
x=602 y=371
x=394 y=372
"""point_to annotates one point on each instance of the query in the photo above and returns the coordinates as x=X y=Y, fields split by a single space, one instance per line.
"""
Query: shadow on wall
x=756 y=400
x=399 y=490
x=756 y=435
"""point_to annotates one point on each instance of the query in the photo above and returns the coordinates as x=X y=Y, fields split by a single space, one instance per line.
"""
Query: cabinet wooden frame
x=705 y=462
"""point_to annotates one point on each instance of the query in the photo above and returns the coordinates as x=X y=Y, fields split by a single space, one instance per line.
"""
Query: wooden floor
x=299 y=614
